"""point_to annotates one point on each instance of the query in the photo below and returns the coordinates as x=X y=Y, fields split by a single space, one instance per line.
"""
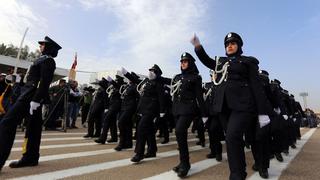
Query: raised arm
x=201 y=53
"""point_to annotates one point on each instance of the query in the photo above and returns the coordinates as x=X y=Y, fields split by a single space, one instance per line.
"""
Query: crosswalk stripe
x=59 y=146
x=63 y=139
x=99 y=167
x=55 y=134
x=88 y=153
x=277 y=167
x=53 y=139
x=205 y=164
x=195 y=168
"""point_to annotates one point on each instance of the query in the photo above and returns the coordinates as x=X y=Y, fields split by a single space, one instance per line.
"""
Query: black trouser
x=95 y=122
x=110 y=123
x=146 y=134
x=276 y=137
x=125 y=127
x=164 y=126
x=216 y=135
x=8 y=126
x=297 y=125
x=238 y=123
x=84 y=112
x=182 y=125
x=261 y=147
x=200 y=129
x=292 y=132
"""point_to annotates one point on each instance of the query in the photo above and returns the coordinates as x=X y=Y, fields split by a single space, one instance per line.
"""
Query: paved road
x=69 y=156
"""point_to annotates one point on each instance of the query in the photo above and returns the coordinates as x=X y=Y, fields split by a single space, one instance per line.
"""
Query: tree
x=11 y=50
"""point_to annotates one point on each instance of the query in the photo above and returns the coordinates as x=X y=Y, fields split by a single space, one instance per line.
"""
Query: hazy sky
x=135 y=34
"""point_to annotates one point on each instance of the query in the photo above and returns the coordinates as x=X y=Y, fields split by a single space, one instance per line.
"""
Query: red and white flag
x=72 y=72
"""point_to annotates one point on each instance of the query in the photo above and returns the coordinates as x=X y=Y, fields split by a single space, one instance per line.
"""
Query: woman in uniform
x=187 y=104
x=239 y=98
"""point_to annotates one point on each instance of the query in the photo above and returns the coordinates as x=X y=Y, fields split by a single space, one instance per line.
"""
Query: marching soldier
x=114 y=106
x=129 y=97
x=261 y=142
x=28 y=106
x=96 y=110
x=150 y=106
x=187 y=103
x=239 y=97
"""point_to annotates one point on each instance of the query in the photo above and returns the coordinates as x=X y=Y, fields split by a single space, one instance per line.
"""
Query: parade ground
x=70 y=156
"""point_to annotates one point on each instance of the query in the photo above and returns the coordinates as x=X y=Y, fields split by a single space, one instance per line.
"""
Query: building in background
x=8 y=63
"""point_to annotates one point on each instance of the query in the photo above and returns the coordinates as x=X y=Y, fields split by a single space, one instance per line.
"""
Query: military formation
x=240 y=106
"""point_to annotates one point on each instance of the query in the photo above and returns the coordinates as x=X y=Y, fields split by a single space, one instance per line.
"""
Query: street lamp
x=304 y=96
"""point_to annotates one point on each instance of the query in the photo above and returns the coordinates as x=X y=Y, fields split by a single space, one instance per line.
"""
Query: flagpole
x=19 y=52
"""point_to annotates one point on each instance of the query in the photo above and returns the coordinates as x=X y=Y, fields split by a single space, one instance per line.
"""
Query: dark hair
x=50 y=50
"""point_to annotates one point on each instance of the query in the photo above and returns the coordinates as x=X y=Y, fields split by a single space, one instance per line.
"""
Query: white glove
x=162 y=114
x=204 y=120
x=277 y=110
x=106 y=110
x=263 y=120
x=33 y=106
x=18 y=78
x=285 y=117
x=109 y=79
x=294 y=119
x=195 y=40
x=124 y=71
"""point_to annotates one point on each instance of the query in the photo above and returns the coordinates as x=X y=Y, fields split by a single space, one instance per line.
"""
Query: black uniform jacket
x=114 y=97
x=129 y=97
x=188 y=99
x=152 y=99
x=241 y=90
x=39 y=78
x=210 y=91
x=99 y=102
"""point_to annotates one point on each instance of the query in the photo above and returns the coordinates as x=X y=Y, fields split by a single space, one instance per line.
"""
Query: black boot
x=279 y=157
x=219 y=157
x=88 y=136
x=183 y=170
x=150 y=155
x=293 y=146
x=136 y=158
x=112 y=140
x=264 y=173
x=22 y=163
x=255 y=168
x=211 y=155
x=176 y=168
x=118 y=148
x=100 y=141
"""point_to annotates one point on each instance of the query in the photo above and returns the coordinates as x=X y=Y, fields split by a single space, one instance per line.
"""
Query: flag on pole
x=72 y=72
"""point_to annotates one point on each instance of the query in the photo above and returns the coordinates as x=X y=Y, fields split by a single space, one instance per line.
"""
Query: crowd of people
x=240 y=105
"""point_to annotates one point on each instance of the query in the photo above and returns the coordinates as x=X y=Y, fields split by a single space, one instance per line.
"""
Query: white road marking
x=64 y=139
x=99 y=167
x=54 y=139
x=88 y=153
x=58 y=146
x=277 y=167
x=195 y=168
x=55 y=134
